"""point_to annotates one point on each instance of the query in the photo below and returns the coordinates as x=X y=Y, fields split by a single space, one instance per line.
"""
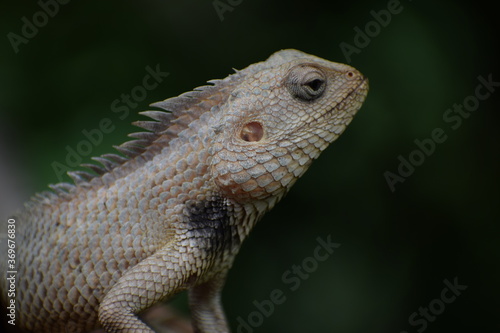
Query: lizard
x=170 y=212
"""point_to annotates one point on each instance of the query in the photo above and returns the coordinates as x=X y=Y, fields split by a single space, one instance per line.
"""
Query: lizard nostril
x=252 y=132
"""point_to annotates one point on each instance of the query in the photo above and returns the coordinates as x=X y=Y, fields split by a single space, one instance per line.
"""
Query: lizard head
x=285 y=112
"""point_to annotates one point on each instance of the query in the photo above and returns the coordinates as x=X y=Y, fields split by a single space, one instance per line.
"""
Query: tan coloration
x=249 y=170
x=173 y=215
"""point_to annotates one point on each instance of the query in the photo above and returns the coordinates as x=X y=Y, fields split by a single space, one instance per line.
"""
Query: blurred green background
x=396 y=247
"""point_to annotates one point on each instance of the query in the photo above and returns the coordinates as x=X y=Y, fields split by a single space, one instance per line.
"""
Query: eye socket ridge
x=306 y=82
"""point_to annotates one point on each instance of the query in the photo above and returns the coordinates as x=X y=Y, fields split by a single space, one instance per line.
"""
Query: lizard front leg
x=158 y=277
x=206 y=306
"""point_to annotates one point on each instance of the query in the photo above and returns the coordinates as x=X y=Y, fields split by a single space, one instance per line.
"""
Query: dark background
x=397 y=247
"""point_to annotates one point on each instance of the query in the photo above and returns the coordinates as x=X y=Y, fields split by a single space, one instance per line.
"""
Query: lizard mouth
x=358 y=94
x=359 y=91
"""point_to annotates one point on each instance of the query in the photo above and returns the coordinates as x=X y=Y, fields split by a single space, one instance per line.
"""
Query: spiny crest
x=179 y=112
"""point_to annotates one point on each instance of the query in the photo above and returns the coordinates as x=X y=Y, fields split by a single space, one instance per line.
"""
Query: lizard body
x=173 y=214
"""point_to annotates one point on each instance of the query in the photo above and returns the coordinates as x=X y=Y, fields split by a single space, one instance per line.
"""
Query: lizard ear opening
x=252 y=132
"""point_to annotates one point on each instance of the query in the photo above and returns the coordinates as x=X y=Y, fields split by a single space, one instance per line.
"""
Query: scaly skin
x=173 y=215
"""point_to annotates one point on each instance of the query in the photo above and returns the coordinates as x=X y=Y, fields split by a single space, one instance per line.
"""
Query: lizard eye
x=252 y=132
x=306 y=82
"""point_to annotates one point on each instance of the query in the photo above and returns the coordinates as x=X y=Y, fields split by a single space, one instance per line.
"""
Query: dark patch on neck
x=210 y=222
